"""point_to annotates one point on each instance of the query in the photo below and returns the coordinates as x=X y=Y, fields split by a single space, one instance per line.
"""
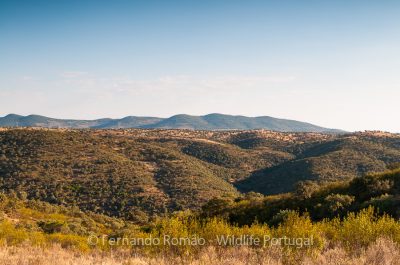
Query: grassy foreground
x=383 y=251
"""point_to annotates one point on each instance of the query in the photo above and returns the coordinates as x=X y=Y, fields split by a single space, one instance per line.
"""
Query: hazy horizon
x=334 y=64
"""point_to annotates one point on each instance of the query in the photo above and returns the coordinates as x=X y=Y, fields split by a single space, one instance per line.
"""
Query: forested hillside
x=138 y=174
x=379 y=190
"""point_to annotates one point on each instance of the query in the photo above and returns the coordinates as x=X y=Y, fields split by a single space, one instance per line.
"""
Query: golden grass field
x=382 y=252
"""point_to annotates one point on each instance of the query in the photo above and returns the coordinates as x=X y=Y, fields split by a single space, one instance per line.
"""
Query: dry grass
x=382 y=252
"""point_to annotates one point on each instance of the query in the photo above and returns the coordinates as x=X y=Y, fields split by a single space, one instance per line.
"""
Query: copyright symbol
x=93 y=240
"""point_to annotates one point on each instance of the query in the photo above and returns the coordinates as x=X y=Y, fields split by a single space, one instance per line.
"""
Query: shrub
x=336 y=202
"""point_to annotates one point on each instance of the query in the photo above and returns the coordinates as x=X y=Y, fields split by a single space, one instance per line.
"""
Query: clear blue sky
x=332 y=63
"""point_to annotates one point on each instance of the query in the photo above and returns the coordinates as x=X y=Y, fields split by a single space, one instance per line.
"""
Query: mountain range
x=213 y=121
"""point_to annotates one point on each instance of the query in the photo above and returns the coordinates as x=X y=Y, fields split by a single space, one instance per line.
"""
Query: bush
x=336 y=202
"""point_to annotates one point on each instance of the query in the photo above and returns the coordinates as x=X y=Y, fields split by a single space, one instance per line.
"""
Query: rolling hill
x=338 y=159
x=140 y=173
x=182 y=121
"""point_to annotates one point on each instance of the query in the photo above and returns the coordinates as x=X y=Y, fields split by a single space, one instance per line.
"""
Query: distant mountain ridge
x=213 y=121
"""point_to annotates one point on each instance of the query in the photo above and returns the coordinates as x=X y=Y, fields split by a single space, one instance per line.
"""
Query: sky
x=332 y=63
